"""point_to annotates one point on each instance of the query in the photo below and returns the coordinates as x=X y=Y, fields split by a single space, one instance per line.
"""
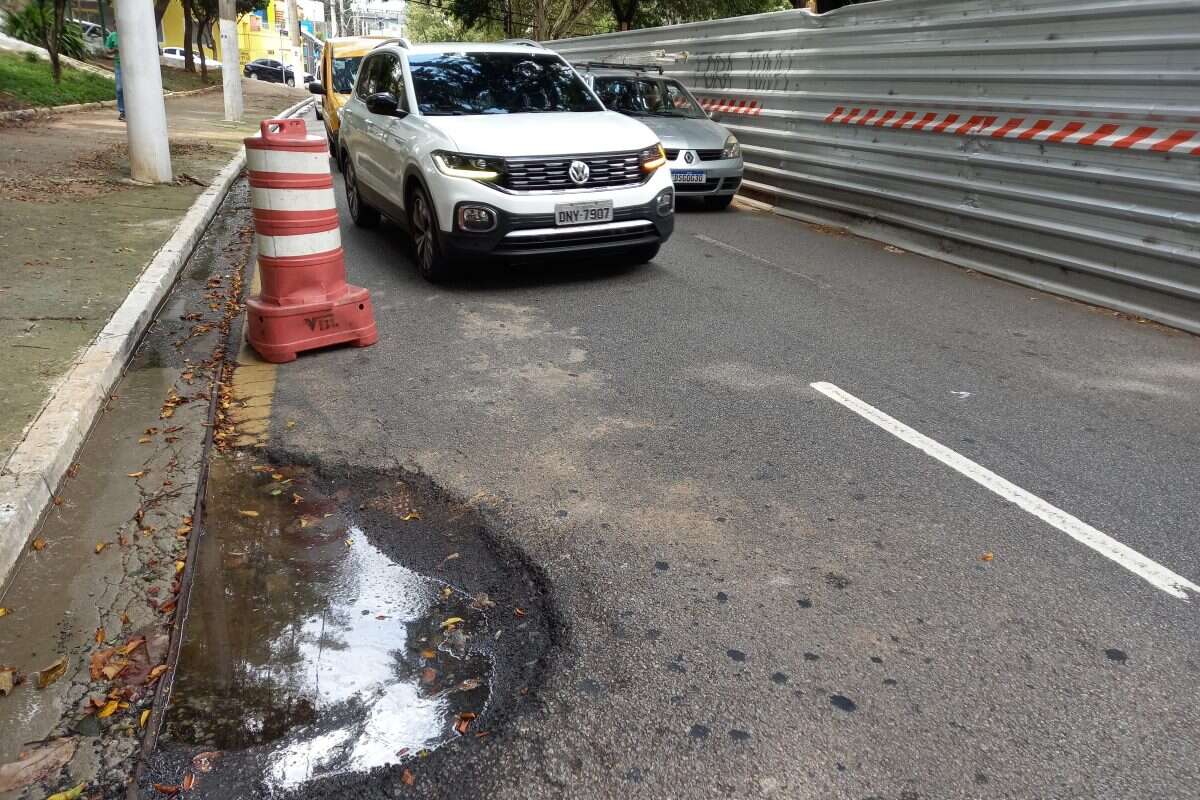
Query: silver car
x=705 y=158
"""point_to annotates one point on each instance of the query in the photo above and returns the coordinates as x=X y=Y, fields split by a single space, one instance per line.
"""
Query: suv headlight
x=460 y=165
x=732 y=148
x=652 y=158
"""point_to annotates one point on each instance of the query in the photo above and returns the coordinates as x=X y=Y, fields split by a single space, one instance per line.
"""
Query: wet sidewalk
x=76 y=233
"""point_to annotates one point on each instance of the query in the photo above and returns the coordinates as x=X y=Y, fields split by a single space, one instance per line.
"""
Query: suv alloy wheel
x=364 y=216
x=422 y=223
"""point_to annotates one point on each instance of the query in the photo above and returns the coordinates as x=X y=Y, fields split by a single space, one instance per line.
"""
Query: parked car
x=499 y=150
x=705 y=158
x=173 y=56
x=272 y=71
x=93 y=36
x=340 y=59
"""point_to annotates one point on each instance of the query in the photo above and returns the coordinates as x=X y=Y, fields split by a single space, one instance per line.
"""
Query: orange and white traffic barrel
x=305 y=301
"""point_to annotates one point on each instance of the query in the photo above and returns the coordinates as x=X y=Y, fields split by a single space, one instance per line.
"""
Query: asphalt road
x=764 y=594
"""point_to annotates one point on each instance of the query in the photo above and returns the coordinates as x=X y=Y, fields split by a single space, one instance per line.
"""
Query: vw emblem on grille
x=689 y=157
x=579 y=172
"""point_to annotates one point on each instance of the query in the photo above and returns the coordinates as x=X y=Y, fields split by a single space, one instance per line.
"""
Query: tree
x=54 y=38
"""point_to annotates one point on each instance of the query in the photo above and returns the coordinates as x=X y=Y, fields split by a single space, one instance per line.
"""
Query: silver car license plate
x=583 y=213
x=688 y=176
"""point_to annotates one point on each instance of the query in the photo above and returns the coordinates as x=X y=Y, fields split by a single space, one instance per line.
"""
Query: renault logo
x=688 y=157
x=579 y=172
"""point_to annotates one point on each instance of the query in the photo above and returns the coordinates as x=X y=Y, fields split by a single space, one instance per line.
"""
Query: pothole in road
x=338 y=625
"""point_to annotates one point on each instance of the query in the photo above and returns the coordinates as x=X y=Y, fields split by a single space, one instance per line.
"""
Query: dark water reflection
x=309 y=651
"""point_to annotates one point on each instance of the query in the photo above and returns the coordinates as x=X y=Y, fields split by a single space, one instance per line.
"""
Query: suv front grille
x=550 y=173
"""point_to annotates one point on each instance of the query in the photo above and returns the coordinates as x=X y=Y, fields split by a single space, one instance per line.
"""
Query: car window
x=344 y=71
x=376 y=75
x=640 y=96
x=396 y=82
x=497 y=83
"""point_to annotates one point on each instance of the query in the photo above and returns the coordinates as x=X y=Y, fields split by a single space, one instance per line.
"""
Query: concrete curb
x=31 y=477
x=24 y=114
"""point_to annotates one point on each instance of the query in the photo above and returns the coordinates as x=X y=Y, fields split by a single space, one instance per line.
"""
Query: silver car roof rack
x=522 y=42
x=612 y=65
x=399 y=40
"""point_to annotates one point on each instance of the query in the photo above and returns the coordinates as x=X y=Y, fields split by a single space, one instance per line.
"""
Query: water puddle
x=309 y=651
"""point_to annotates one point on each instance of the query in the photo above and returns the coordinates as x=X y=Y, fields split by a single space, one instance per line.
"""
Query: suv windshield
x=344 y=71
x=497 y=83
x=656 y=97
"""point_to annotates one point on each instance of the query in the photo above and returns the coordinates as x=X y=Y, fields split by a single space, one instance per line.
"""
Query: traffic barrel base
x=279 y=333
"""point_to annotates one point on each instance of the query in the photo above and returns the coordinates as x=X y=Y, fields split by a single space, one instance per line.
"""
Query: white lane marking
x=1153 y=573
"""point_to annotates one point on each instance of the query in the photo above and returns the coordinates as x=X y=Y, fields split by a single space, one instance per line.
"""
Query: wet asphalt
x=760 y=593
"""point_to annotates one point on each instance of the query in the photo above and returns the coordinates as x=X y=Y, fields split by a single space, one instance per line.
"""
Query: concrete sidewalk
x=76 y=233
x=93 y=254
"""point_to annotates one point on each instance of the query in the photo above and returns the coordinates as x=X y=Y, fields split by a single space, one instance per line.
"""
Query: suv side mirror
x=383 y=103
x=714 y=116
x=316 y=87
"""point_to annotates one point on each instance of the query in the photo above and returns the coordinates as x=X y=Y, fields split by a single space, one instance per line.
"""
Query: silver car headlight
x=460 y=165
x=732 y=148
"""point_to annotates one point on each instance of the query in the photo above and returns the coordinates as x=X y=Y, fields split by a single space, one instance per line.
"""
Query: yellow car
x=335 y=77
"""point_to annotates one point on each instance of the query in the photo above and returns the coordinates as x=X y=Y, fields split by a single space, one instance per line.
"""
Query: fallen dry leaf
x=245 y=513
x=124 y=618
x=113 y=669
x=410 y=516
x=145 y=440
x=167 y=607
x=137 y=474
x=179 y=565
x=450 y=621
x=143 y=718
x=159 y=670
x=986 y=557
x=74 y=793
x=100 y=635
x=131 y=645
x=100 y=547
x=407 y=777
x=37 y=763
x=519 y=612
x=50 y=674
x=189 y=782
x=291 y=423
x=166 y=788
x=428 y=654
x=109 y=709
x=276 y=476
x=3 y=611
x=297 y=499
x=8 y=679
x=38 y=544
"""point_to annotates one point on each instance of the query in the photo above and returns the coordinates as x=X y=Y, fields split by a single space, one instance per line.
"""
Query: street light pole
x=231 y=68
x=145 y=111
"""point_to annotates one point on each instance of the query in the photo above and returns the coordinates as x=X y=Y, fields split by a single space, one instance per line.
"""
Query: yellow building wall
x=256 y=39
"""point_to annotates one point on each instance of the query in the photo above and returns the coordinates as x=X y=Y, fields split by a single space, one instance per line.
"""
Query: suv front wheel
x=364 y=216
x=422 y=223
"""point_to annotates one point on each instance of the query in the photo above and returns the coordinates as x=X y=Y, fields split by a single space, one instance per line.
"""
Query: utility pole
x=297 y=63
x=231 y=68
x=145 y=111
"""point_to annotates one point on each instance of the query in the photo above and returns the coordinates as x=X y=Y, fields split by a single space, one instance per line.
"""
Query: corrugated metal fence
x=1051 y=142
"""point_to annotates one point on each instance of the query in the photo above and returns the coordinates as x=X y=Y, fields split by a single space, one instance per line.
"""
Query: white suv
x=501 y=150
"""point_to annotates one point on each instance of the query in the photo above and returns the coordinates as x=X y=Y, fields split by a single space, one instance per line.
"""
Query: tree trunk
x=204 y=25
x=189 y=25
x=56 y=29
x=623 y=13
x=160 y=8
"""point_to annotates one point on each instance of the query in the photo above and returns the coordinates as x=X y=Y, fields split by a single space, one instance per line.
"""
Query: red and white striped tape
x=731 y=105
x=1034 y=129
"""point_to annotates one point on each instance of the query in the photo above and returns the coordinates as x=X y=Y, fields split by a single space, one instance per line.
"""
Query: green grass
x=25 y=84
